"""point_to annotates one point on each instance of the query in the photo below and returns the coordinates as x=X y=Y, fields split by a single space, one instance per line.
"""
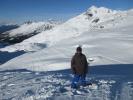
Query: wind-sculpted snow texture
x=110 y=82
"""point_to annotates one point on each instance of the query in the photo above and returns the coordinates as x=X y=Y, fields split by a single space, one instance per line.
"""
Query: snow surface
x=108 y=84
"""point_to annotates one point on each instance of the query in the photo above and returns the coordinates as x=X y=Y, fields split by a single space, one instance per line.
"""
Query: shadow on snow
x=114 y=69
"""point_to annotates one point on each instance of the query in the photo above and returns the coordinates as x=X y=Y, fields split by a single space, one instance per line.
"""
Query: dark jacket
x=79 y=64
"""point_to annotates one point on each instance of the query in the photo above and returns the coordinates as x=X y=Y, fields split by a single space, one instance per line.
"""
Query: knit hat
x=79 y=49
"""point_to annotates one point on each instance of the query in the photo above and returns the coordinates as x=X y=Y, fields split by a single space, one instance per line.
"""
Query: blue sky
x=22 y=10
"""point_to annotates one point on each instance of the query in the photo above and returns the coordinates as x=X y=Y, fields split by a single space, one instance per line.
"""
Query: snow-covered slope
x=94 y=18
x=26 y=30
x=106 y=37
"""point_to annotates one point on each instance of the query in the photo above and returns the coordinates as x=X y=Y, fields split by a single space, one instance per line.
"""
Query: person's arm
x=72 y=65
x=86 y=68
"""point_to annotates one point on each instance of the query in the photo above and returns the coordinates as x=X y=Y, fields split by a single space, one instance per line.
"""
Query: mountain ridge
x=108 y=42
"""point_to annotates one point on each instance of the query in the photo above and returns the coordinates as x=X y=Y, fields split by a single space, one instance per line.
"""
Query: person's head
x=79 y=50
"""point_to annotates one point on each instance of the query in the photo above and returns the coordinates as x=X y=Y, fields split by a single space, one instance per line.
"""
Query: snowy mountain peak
x=100 y=10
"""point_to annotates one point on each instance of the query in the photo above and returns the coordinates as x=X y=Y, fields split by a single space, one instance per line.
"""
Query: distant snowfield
x=105 y=35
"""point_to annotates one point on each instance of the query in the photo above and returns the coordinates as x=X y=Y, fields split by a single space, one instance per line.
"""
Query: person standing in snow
x=79 y=67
